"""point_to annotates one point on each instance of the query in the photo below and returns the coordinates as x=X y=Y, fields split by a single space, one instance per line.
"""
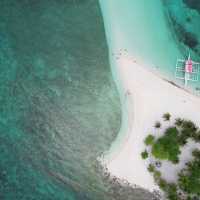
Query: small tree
x=157 y=125
x=182 y=139
x=162 y=183
x=178 y=122
x=172 y=192
x=189 y=125
x=189 y=178
x=196 y=153
x=149 y=140
x=167 y=146
x=167 y=116
x=156 y=175
x=144 y=154
x=196 y=136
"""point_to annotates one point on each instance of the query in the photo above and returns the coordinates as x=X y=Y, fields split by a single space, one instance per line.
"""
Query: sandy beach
x=142 y=48
x=151 y=97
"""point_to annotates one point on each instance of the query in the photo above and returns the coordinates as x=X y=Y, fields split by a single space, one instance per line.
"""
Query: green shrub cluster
x=149 y=140
x=169 y=188
x=144 y=154
x=189 y=178
x=151 y=168
x=187 y=130
x=167 y=146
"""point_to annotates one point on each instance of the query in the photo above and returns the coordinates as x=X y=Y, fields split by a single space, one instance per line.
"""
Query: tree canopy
x=167 y=146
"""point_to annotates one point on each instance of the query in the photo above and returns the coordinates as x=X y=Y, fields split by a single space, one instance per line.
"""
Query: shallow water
x=146 y=30
x=183 y=18
x=59 y=106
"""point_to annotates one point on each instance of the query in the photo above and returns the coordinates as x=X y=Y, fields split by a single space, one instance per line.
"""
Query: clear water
x=146 y=30
x=183 y=18
x=59 y=106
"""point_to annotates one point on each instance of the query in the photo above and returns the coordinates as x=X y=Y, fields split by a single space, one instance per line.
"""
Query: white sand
x=151 y=97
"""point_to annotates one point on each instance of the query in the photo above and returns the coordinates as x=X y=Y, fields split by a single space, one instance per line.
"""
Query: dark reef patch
x=184 y=36
x=193 y=4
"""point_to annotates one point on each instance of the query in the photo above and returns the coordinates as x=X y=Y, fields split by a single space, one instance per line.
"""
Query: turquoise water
x=59 y=106
x=148 y=30
x=183 y=17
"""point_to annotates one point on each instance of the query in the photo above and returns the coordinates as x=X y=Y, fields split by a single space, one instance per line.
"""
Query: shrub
x=178 y=122
x=151 y=168
x=172 y=131
x=196 y=136
x=189 y=178
x=149 y=140
x=182 y=139
x=196 y=153
x=159 y=149
x=166 y=116
x=167 y=146
x=156 y=175
x=172 y=192
x=162 y=184
x=189 y=130
x=144 y=154
x=189 y=125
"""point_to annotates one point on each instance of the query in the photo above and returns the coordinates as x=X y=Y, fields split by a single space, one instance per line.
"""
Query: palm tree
x=196 y=136
x=187 y=124
x=167 y=116
x=196 y=153
x=157 y=125
x=178 y=122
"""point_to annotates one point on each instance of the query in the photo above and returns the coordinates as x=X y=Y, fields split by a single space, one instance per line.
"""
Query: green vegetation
x=151 y=168
x=189 y=178
x=196 y=153
x=189 y=125
x=144 y=154
x=171 y=191
x=149 y=140
x=178 y=122
x=169 y=188
x=156 y=175
x=162 y=183
x=196 y=137
x=167 y=116
x=187 y=130
x=167 y=146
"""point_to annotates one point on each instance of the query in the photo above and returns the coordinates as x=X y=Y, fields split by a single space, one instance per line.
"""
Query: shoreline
x=145 y=87
x=144 y=78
